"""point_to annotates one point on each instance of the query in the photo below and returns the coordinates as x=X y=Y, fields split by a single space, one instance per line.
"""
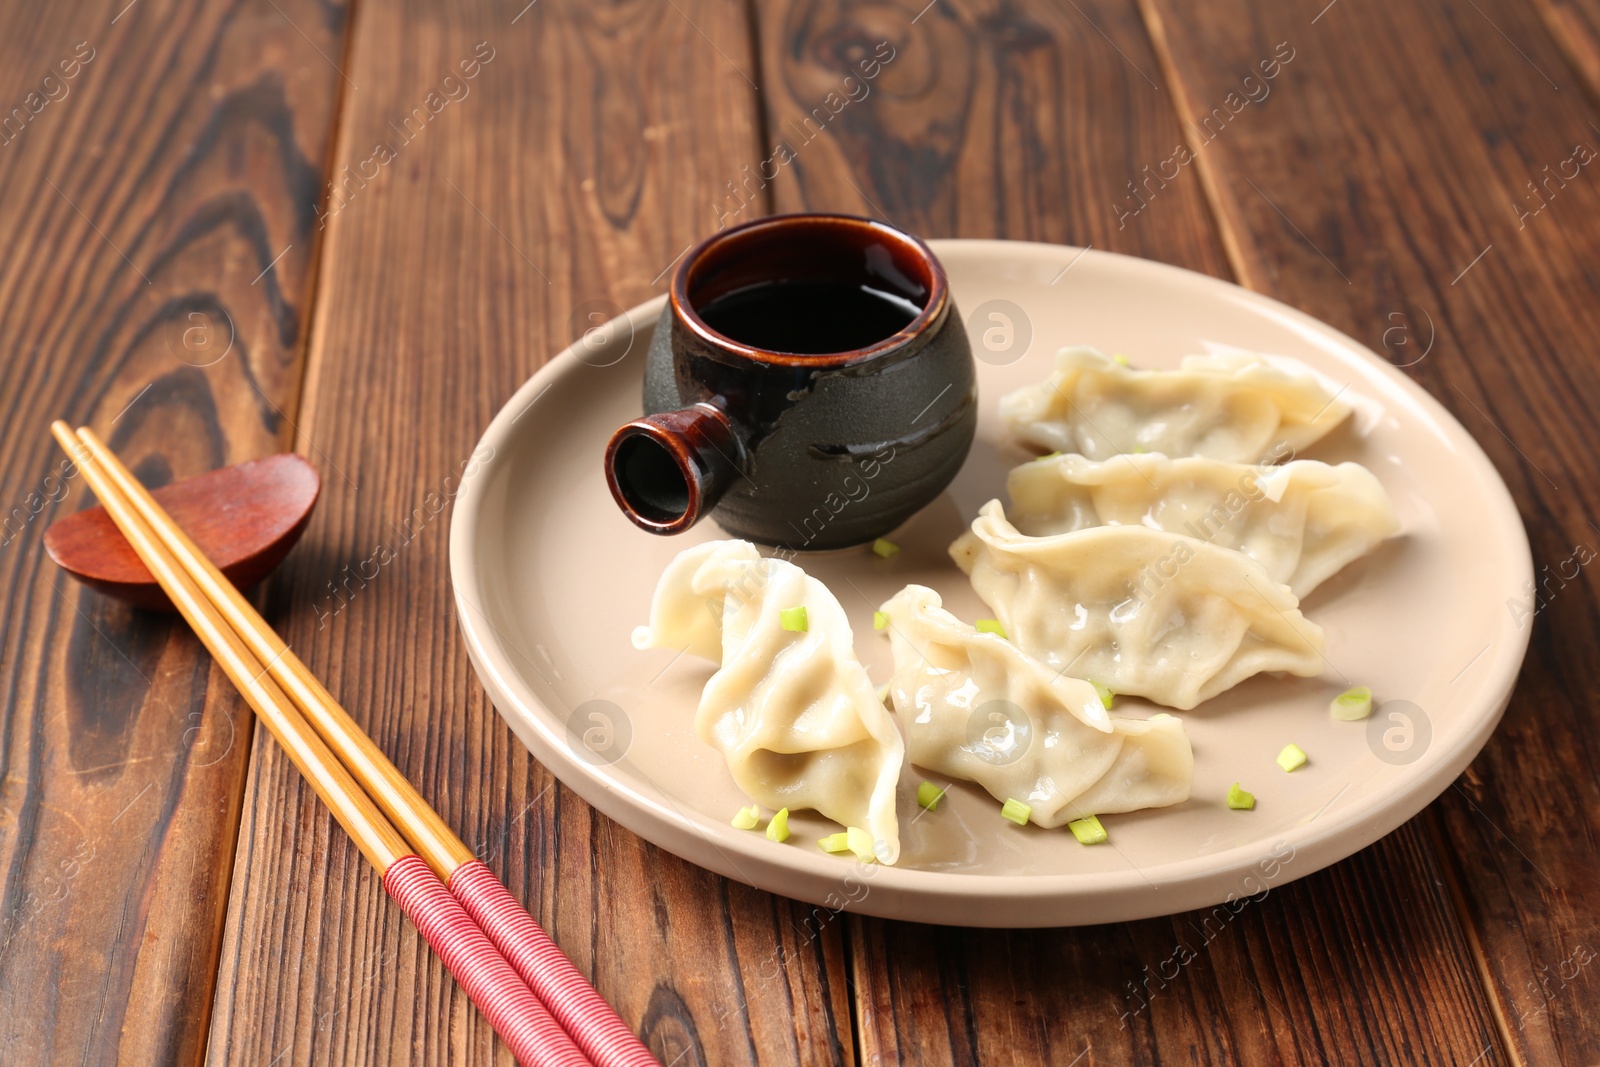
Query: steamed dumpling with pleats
x=792 y=711
x=975 y=707
x=682 y=618
x=1302 y=521
x=1233 y=407
x=1145 y=612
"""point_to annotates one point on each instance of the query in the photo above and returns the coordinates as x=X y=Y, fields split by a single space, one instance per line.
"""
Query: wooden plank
x=566 y=175
x=1031 y=121
x=1444 y=219
x=1023 y=122
x=158 y=168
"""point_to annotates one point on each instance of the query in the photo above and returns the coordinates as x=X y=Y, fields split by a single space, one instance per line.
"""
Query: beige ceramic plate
x=550 y=579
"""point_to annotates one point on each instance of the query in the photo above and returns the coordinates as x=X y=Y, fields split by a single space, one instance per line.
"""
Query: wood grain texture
x=1575 y=26
x=1444 y=219
x=1298 y=976
x=1026 y=121
x=560 y=181
x=154 y=162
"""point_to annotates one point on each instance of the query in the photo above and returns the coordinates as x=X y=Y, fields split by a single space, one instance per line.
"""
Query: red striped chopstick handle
x=552 y=977
x=535 y=1038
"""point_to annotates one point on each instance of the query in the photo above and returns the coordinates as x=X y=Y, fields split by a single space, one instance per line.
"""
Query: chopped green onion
x=1138 y=450
x=929 y=795
x=778 y=828
x=1291 y=757
x=880 y=619
x=1106 y=695
x=1239 y=800
x=1017 y=811
x=990 y=626
x=860 y=842
x=794 y=619
x=1120 y=358
x=1052 y=455
x=1088 y=831
x=1352 y=705
x=835 y=843
x=883 y=693
x=747 y=818
x=883 y=548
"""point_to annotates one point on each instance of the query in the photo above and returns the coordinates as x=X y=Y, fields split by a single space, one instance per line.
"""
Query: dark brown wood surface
x=157 y=195
x=1391 y=180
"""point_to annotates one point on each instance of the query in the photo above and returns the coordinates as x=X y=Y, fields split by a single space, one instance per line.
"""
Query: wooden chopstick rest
x=245 y=517
x=521 y=1020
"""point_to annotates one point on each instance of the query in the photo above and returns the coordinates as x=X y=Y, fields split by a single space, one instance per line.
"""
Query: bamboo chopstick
x=548 y=972
x=535 y=1038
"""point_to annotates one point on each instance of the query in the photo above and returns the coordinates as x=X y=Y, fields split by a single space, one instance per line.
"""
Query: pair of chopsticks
x=536 y=1000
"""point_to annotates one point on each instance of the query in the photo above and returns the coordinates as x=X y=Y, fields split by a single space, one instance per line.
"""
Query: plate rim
x=945 y=897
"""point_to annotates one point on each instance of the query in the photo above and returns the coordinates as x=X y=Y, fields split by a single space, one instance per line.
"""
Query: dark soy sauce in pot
x=808 y=317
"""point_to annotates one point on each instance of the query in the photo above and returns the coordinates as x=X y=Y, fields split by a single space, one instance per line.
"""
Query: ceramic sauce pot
x=810 y=385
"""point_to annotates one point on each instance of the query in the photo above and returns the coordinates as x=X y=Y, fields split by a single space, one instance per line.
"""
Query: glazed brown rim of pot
x=932 y=308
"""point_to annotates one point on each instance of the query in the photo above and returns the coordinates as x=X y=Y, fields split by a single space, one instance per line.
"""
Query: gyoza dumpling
x=976 y=707
x=680 y=617
x=1301 y=521
x=792 y=711
x=1142 y=611
x=1228 y=407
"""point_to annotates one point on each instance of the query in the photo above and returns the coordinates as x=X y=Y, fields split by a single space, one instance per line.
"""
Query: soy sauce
x=809 y=317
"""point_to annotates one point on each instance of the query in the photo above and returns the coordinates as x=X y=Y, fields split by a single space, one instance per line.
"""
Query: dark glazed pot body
x=805 y=451
x=861 y=455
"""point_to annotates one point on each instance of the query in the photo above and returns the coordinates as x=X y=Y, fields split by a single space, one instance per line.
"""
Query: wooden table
x=352 y=230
